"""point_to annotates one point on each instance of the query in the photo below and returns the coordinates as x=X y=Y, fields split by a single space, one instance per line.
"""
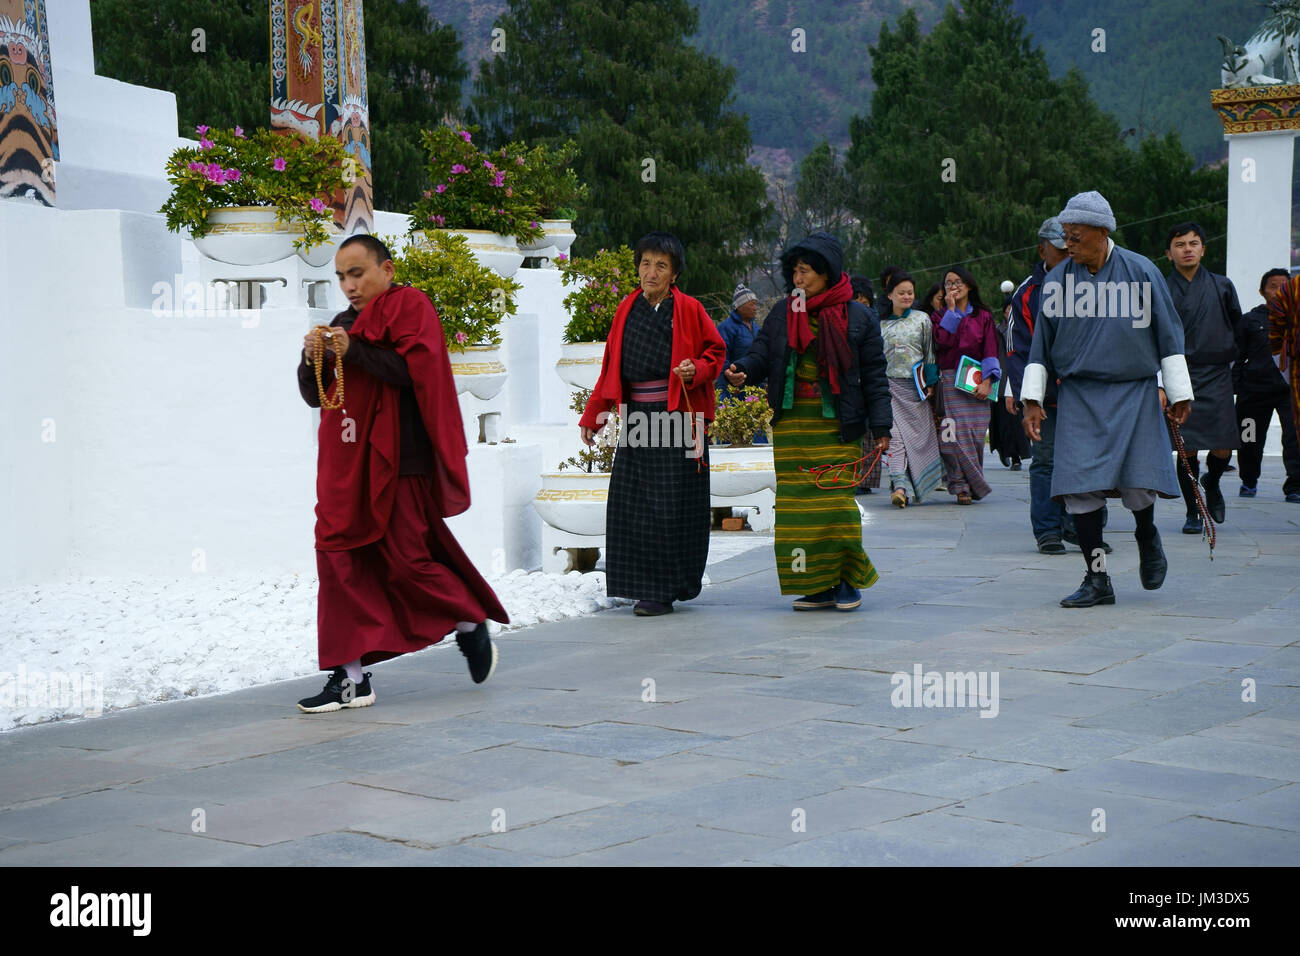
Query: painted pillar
x=29 y=136
x=318 y=88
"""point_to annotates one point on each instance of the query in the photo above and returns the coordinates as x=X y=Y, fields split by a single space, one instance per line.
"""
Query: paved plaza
x=1162 y=731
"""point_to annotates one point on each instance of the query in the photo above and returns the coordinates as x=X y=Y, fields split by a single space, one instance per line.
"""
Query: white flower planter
x=579 y=363
x=558 y=236
x=740 y=472
x=479 y=371
x=573 y=501
x=251 y=236
x=499 y=253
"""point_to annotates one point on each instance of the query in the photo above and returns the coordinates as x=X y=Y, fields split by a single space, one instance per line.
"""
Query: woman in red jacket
x=662 y=357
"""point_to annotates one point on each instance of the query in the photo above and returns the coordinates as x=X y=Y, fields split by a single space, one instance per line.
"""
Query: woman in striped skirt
x=826 y=383
x=661 y=359
x=914 y=464
x=964 y=328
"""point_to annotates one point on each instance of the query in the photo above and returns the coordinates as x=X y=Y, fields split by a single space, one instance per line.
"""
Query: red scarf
x=1284 y=339
x=831 y=307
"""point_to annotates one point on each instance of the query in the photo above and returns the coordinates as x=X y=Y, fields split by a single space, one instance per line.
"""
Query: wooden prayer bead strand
x=317 y=358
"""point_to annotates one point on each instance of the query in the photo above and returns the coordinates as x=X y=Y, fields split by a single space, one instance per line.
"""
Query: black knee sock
x=1088 y=528
x=1146 y=523
x=1214 y=468
x=1186 y=485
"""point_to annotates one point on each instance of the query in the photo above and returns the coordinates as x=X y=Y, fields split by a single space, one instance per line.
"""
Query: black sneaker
x=479 y=651
x=1193 y=525
x=340 y=693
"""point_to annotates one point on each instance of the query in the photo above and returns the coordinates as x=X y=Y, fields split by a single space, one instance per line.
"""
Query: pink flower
x=442 y=188
x=440 y=220
x=458 y=168
x=464 y=134
x=462 y=338
x=239 y=132
x=317 y=206
x=561 y=258
x=200 y=130
x=519 y=160
x=510 y=190
x=195 y=167
x=534 y=223
x=205 y=144
x=487 y=164
x=279 y=164
x=213 y=172
x=232 y=175
x=751 y=398
x=427 y=194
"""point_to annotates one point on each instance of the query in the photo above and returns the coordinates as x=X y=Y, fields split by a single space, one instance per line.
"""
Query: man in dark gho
x=1207 y=305
x=1262 y=390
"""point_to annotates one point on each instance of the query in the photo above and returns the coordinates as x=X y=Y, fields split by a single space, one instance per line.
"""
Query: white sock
x=354 y=670
x=466 y=627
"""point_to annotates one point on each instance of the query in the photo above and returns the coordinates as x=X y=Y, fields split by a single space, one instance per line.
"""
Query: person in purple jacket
x=965 y=327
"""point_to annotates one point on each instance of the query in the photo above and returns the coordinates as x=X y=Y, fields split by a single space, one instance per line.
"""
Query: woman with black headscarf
x=826 y=383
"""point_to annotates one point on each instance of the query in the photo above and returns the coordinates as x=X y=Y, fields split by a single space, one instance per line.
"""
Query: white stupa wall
x=1259 y=206
x=152 y=432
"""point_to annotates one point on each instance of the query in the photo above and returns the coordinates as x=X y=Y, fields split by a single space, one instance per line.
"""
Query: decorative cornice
x=1258 y=109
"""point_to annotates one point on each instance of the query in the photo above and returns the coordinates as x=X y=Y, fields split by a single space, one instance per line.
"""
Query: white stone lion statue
x=1279 y=34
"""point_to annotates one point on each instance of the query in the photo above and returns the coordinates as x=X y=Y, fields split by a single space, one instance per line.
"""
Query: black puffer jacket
x=864 y=399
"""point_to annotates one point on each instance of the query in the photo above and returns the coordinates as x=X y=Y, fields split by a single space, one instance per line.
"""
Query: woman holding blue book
x=914 y=464
x=966 y=343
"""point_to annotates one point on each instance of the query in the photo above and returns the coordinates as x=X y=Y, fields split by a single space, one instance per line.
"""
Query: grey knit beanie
x=742 y=295
x=1088 y=209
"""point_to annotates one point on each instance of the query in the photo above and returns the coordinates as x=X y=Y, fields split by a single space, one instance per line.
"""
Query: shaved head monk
x=390 y=467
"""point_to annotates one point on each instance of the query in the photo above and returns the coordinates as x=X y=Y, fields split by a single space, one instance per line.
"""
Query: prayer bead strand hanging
x=317 y=360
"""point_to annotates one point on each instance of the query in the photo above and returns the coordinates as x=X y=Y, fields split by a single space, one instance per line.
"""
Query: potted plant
x=599 y=283
x=256 y=198
x=555 y=191
x=471 y=301
x=572 y=499
x=737 y=467
x=477 y=195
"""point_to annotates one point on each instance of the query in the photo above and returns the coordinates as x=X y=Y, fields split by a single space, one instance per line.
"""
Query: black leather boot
x=1095 y=589
x=1152 y=564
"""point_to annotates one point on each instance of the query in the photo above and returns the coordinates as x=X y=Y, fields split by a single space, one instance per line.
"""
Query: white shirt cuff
x=1034 y=386
x=1175 y=380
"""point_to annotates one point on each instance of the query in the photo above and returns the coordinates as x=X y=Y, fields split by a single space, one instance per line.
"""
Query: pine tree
x=659 y=144
x=970 y=144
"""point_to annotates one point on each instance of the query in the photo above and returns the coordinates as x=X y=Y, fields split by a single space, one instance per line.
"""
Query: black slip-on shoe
x=340 y=693
x=1095 y=589
x=652 y=608
x=1213 y=500
x=480 y=653
x=1152 y=564
x=1051 y=544
x=815 y=602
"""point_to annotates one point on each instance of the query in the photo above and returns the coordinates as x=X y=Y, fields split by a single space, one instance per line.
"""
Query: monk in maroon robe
x=390 y=468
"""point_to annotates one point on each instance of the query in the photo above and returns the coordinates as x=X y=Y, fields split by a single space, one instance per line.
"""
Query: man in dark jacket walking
x=1261 y=390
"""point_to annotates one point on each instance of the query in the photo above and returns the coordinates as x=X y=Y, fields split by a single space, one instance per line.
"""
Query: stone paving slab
x=771 y=738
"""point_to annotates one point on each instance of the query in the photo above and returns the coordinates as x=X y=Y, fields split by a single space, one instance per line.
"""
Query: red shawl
x=695 y=337
x=358 y=456
x=831 y=306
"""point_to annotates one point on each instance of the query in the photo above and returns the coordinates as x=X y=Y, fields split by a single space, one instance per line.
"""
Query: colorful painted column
x=29 y=136
x=318 y=87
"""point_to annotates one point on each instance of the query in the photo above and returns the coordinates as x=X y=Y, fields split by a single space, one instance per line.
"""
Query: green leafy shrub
x=470 y=298
x=739 y=416
x=228 y=168
x=600 y=456
x=601 y=282
x=469 y=189
x=549 y=181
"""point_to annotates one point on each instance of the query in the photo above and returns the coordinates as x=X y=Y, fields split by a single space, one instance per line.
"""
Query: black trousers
x=1250 y=455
